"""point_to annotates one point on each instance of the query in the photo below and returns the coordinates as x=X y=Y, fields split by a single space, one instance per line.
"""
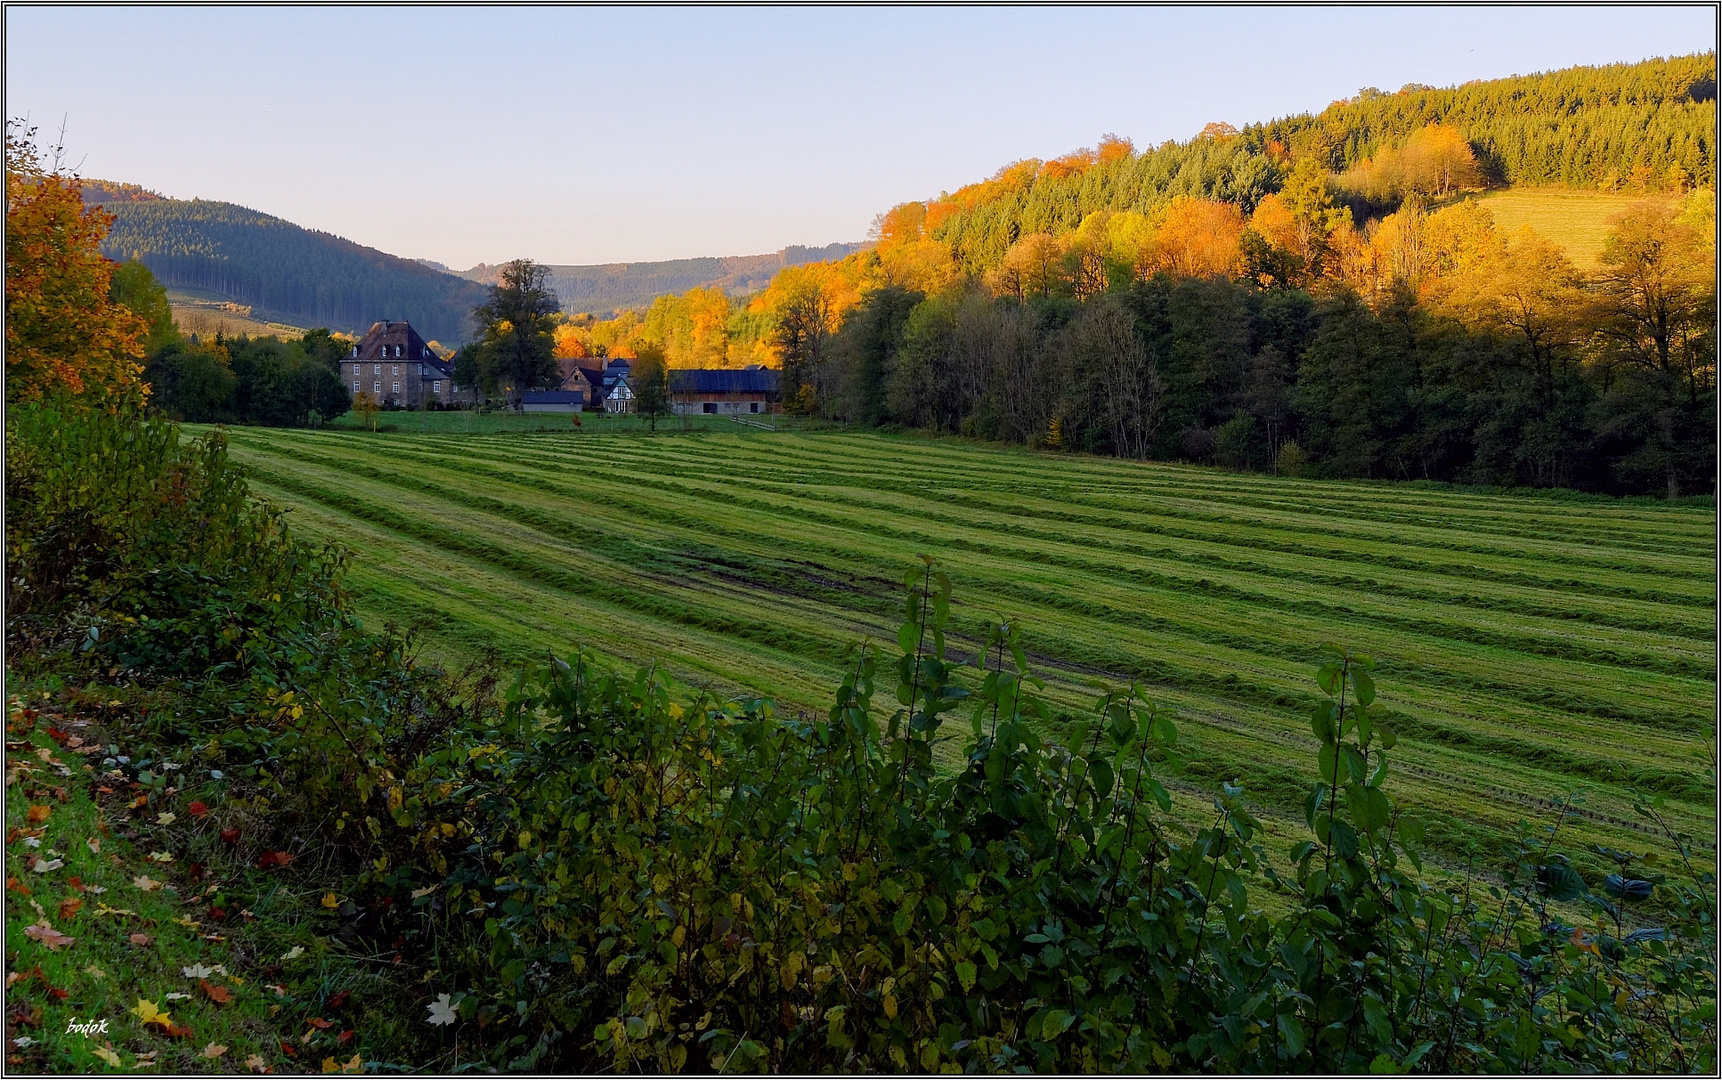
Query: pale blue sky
x=596 y=135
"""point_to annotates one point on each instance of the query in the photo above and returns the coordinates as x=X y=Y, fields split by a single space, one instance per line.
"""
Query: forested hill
x=601 y=289
x=284 y=272
x=1618 y=127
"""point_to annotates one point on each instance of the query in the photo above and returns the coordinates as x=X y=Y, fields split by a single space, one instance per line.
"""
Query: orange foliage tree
x=1199 y=238
x=62 y=331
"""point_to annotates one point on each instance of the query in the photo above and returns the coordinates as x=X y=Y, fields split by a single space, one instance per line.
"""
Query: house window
x=355 y=388
x=436 y=387
x=397 y=389
x=395 y=369
x=376 y=369
x=710 y=407
x=753 y=406
x=355 y=369
x=376 y=388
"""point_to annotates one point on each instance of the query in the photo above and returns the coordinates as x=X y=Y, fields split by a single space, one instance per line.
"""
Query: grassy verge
x=146 y=931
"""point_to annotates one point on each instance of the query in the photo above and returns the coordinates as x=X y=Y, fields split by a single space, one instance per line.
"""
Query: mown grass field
x=1532 y=645
x=1576 y=221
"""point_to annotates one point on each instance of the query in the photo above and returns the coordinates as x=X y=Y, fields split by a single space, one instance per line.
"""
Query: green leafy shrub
x=718 y=886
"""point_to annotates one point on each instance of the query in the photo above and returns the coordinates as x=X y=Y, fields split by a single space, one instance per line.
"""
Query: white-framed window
x=436 y=386
x=355 y=369
x=397 y=389
x=376 y=369
x=376 y=388
x=355 y=387
x=395 y=369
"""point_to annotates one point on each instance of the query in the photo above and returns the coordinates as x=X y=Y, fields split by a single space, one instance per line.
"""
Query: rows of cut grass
x=1531 y=645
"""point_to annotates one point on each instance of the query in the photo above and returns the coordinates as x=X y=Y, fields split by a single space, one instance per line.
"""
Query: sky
x=591 y=135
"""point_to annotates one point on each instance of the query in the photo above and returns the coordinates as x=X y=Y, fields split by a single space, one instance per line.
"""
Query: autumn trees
x=516 y=345
x=63 y=332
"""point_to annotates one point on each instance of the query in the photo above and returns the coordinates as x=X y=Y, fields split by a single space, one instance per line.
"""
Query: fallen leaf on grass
x=14 y=885
x=426 y=891
x=294 y=953
x=213 y=1051
x=148 y=1013
x=141 y=939
x=191 y=923
x=345 y=1037
x=256 y=1062
x=103 y=909
x=197 y=809
x=287 y=1048
x=319 y=1023
x=48 y=936
x=230 y=836
x=48 y=867
x=76 y=884
x=330 y=901
x=165 y=818
x=95 y=972
x=39 y=814
x=274 y=858
x=106 y=1053
x=176 y=1031
x=68 y=908
x=94 y=843
x=176 y=996
x=221 y=995
x=141 y=800
x=339 y=1000
x=146 y=883
x=442 y=1011
x=160 y=856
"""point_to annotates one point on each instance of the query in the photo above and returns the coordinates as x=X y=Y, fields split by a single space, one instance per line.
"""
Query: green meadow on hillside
x=1577 y=221
x=1533 y=645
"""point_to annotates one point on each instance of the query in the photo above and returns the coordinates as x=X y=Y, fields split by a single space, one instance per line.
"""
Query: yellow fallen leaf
x=103 y=909
x=165 y=818
x=183 y=921
x=147 y=1012
x=213 y=1051
x=330 y=1066
x=256 y=1062
x=146 y=883
x=106 y=1053
x=329 y=901
x=94 y=843
x=95 y=972
x=160 y=856
x=356 y=1065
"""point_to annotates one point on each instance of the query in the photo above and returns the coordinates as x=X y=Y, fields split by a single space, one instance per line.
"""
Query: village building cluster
x=398 y=369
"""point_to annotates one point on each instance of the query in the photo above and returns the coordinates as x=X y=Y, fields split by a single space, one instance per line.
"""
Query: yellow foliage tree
x=62 y=331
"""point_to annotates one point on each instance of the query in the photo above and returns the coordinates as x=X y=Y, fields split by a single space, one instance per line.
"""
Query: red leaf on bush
x=230 y=836
x=197 y=809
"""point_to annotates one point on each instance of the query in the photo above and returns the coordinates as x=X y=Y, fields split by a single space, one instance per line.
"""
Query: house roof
x=723 y=381
x=390 y=334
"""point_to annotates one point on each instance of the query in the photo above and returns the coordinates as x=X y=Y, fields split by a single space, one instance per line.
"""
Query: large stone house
x=395 y=366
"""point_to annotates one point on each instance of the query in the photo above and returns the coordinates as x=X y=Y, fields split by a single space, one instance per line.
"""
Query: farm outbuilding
x=723 y=391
